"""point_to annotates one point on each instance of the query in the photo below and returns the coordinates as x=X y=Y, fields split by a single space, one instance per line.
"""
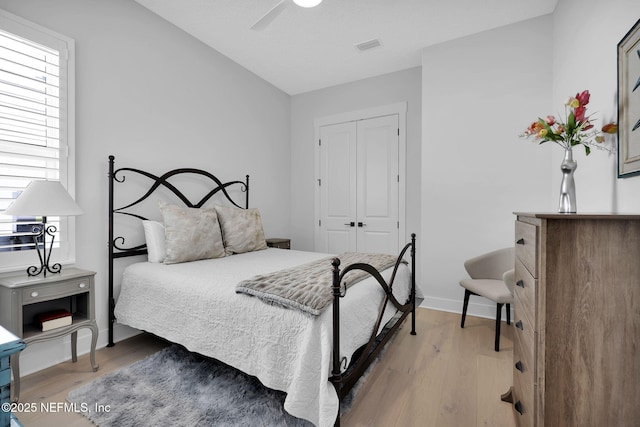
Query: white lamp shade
x=307 y=3
x=44 y=198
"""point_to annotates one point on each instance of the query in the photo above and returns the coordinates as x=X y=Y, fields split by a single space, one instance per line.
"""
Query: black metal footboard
x=345 y=378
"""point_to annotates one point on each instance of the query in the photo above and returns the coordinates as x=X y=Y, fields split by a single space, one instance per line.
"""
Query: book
x=54 y=319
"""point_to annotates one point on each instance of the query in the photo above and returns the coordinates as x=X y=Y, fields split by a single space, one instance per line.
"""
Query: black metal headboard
x=116 y=243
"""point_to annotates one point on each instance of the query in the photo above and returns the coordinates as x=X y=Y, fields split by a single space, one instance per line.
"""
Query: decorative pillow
x=190 y=234
x=154 y=236
x=241 y=229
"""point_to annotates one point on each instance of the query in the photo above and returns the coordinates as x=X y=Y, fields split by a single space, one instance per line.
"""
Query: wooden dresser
x=577 y=320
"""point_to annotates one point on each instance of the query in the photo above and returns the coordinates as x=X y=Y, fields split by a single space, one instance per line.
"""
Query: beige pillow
x=190 y=234
x=241 y=230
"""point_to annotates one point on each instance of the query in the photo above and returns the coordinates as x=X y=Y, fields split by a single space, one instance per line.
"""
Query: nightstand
x=279 y=243
x=23 y=298
x=9 y=345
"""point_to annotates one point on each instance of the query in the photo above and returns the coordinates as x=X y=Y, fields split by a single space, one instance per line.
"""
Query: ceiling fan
x=276 y=10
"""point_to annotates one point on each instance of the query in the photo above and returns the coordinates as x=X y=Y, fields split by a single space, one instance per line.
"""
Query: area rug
x=179 y=388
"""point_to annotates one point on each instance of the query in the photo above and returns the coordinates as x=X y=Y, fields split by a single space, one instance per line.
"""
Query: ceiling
x=307 y=49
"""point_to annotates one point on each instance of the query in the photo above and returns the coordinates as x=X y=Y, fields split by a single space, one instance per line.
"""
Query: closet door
x=377 y=185
x=359 y=186
x=338 y=188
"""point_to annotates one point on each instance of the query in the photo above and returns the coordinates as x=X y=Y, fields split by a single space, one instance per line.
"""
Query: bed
x=314 y=358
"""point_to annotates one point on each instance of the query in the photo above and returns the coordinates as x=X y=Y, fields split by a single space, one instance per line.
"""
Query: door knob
x=360 y=224
x=351 y=224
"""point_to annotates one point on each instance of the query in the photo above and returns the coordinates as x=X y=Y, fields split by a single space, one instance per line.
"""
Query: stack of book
x=54 y=319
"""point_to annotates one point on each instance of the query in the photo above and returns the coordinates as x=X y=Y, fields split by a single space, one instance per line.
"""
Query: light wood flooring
x=444 y=376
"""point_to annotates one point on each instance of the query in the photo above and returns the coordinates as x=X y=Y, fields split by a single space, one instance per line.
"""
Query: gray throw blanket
x=307 y=287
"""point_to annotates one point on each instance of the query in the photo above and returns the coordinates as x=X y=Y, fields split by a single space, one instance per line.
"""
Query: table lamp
x=44 y=198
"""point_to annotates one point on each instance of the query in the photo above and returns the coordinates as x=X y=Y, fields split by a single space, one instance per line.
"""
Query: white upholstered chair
x=491 y=276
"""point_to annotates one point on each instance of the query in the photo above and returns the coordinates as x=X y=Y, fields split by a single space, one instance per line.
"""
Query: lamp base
x=43 y=231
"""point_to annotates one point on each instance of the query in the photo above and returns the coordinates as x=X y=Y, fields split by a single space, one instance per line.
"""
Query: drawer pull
x=519 y=325
x=82 y=285
x=34 y=294
x=519 y=366
x=520 y=283
x=518 y=407
x=520 y=241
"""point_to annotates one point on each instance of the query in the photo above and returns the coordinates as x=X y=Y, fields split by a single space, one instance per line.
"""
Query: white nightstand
x=22 y=298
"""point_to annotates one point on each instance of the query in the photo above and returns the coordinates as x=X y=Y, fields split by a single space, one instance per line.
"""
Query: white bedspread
x=195 y=304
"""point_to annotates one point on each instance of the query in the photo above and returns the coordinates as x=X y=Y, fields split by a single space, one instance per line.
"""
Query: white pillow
x=154 y=236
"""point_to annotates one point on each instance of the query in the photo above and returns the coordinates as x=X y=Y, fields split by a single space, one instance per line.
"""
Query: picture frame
x=629 y=103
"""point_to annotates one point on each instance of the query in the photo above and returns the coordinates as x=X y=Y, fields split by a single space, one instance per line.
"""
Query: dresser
x=24 y=298
x=577 y=320
x=9 y=345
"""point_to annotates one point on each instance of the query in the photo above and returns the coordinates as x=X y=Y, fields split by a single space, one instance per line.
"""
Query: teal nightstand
x=9 y=345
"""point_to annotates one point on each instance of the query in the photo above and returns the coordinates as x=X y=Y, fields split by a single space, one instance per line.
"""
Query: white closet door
x=377 y=185
x=359 y=186
x=338 y=188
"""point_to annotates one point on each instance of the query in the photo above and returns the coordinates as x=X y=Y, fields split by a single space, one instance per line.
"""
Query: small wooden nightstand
x=279 y=243
x=22 y=298
x=9 y=345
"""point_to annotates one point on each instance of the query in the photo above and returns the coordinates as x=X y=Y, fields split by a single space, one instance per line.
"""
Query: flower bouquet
x=576 y=129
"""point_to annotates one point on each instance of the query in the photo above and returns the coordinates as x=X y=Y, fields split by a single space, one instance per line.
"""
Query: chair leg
x=508 y=314
x=498 y=316
x=467 y=293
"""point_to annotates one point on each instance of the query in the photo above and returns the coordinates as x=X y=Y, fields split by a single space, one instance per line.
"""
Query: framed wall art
x=629 y=103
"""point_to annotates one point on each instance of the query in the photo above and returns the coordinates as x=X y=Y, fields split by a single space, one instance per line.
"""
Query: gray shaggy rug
x=179 y=388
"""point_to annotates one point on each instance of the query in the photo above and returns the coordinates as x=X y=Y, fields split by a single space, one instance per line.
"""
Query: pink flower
x=550 y=120
x=579 y=113
x=588 y=125
x=583 y=97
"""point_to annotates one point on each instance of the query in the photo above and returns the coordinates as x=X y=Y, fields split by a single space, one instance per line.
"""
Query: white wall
x=158 y=99
x=586 y=34
x=478 y=94
x=368 y=93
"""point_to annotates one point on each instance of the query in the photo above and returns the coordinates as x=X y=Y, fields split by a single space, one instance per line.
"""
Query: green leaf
x=571 y=123
x=587 y=149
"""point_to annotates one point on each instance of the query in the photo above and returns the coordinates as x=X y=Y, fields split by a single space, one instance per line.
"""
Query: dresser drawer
x=527 y=246
x=524 y=334
x=526 y=291
x=523 y=358
x=32 y=295
x=523 y=407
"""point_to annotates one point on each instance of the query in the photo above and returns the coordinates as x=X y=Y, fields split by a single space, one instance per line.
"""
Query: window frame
x=66 y=254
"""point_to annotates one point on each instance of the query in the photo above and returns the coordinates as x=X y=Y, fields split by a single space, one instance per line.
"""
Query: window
x=36 y=132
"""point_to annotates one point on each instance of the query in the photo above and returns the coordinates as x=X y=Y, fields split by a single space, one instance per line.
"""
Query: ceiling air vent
x=369 y=44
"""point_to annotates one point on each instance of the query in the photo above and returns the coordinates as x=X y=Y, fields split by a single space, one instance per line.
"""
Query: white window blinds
x=34 y=130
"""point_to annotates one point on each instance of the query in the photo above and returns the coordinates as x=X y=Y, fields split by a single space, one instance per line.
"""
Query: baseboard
x=481 y=307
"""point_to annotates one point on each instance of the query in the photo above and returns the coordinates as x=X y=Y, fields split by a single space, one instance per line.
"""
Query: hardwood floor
x=444 y=376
